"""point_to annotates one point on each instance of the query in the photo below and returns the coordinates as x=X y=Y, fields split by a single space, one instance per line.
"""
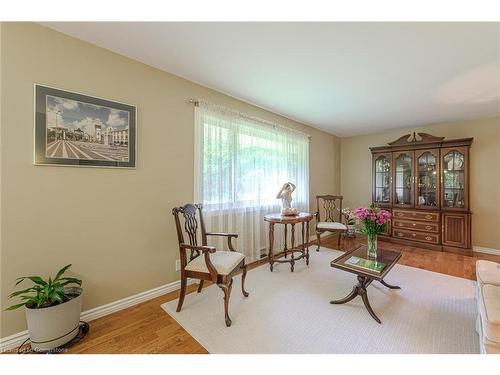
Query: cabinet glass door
x=403 y=178
x=382 y=180
x=454 y=179
x=427 y=187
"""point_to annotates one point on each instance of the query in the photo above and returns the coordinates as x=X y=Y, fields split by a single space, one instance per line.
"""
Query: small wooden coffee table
x=302 y=248
x=366 y=276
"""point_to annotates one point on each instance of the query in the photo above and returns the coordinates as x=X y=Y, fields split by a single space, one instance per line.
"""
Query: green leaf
x=36 y=279
x=28 y=298
x=58 y=298
x=21 y=292
x=61 y=271
x=59 y=288
x=13 y=307
x=70 y=280
x=54 y=296
x=42 y=298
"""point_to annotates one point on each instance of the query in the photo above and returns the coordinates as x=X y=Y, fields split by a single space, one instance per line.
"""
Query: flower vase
x=372 y=245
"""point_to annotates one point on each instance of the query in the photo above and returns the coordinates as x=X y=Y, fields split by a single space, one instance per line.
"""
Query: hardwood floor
x=146 y=328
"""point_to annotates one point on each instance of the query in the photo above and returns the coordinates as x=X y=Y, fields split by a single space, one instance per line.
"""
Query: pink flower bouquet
x=374 y=221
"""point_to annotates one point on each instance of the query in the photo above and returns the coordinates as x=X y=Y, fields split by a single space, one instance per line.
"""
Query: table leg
x=271 y=241
x=292 y=261
x=286 y=240
x=364 y=296
x=347 y=298
x=307 y=243
x=359 y=290
x=388 y=285
x=303 y=247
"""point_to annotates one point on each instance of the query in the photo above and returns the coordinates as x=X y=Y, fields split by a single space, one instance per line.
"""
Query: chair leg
x=226 y=288
x=338 y=243
x=243 y=277
x=183 y=293
x=200 y=286
x=318 y=236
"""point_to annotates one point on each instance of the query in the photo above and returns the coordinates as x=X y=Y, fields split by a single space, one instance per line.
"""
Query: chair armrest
x=223 y=234
x=203 y=249
x=206 y=250
x=229 y=237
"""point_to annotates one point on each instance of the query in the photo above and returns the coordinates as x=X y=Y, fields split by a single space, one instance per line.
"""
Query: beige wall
x=484 y=177
x=115 y=226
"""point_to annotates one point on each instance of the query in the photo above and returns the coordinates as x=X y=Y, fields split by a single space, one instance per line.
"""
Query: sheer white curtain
x=240 y=164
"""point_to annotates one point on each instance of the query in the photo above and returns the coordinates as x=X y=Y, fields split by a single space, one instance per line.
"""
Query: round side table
x=303 y=248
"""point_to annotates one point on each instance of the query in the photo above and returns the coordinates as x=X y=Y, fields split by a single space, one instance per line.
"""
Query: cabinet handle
x=428 y=227
x=428 y=238
x=414 y=235
x=428 y=217
x=414 y=224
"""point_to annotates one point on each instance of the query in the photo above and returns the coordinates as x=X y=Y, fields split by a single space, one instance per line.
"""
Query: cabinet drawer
x=415 y=225
x=416 y=236
x=416 y=215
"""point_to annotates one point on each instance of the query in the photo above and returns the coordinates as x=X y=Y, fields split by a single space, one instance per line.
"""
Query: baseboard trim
x=121 y=304
x=13 y=341
x=486 y=250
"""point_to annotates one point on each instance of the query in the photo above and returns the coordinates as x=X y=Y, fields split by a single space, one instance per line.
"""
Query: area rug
x=290 y=312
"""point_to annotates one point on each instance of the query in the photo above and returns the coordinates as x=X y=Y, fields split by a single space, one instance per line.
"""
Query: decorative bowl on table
x=289 y=212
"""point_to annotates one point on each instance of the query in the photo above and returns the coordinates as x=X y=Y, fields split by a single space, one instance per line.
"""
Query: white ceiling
x=345 y=78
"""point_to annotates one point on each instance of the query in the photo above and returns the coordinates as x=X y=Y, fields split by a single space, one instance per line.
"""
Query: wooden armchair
x=333 y=219
x=204 y=262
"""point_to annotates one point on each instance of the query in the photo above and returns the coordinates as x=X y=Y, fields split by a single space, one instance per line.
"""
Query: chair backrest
x=330 y=206
x=192 y=224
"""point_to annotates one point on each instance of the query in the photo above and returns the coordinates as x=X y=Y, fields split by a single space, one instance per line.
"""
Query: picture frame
x=74 y=129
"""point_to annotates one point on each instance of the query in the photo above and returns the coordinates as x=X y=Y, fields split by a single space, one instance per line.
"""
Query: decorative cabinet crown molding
x=410 y=139
x=417 y=141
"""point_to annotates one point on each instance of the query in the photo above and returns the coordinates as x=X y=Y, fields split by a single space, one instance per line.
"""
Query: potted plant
x=52 y=308
x=374 y=221
x=351 y=221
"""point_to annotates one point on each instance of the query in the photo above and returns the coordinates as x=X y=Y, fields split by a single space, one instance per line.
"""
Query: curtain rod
x=196 y=103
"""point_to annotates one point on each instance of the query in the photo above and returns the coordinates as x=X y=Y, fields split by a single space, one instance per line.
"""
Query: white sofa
x=488 y=302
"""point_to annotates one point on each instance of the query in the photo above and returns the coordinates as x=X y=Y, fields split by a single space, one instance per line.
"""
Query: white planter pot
x=351 y=230
x=51 y=327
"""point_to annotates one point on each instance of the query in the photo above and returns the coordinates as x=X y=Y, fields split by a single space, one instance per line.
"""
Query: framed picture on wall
x=73 y=129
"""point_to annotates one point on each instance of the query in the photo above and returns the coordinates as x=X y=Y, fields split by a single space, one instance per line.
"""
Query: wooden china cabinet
x=424 y=181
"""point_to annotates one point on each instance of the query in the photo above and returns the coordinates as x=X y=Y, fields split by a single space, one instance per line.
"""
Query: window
x=240 y=165
x=243 y=162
